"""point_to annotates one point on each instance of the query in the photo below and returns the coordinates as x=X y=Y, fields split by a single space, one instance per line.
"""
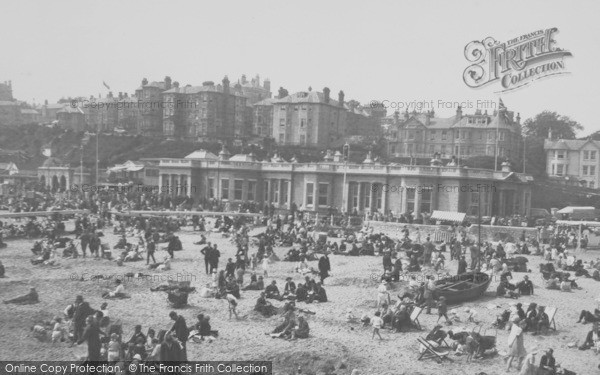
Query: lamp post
x=81 y=166
x=346 y=156
x=478 y=229
x=97 y=145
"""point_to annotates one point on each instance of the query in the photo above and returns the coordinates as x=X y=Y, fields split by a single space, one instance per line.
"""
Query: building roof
x=69 y=109
x=568 y=144
x=7 y=103
x=28 y=111
x=54 y=106
x=306 y=97
x=201 y=154
x=190 y=90
x=52 y=162
x=266 y=102
x=129 y=166
x=477 y=121
x=7 y=166
x=242 y=157
x=161 y=85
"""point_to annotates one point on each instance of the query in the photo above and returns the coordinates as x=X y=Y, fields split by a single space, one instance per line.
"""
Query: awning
x=577 y=223
x=572 y=210
x=455 y=217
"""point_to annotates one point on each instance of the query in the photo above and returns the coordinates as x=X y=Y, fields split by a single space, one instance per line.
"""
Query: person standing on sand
x=180 y=331
x=324 y=267
x=516 y=348
x=92 y=336
x=377 y=323
x=265 y=265
x=462 y=266
x=383 y=296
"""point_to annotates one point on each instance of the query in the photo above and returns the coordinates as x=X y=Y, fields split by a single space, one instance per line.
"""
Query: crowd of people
x=298 y=232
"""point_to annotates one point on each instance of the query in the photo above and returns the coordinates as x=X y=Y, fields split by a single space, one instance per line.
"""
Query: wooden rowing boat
x=464 y=287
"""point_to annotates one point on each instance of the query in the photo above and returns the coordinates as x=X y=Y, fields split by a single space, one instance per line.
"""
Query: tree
x=562 y=126
x=535 y=157
x=282 y=93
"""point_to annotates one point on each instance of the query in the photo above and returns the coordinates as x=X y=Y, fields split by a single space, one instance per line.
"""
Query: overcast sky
x=400 y=51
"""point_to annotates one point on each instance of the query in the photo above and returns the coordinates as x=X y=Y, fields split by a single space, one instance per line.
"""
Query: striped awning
x=455 y=217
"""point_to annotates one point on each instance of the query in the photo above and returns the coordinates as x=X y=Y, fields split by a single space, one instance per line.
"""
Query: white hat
x=138 y=357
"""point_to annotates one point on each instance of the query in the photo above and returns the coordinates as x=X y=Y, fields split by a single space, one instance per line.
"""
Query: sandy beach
x=334 y=346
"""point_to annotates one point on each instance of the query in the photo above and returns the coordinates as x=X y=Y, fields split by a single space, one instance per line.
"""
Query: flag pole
x=497 y=136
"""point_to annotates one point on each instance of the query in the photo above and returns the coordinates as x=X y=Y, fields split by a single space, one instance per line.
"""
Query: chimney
x=244 y=80
x=226 y=85
x=267 y=85
x=110 y=94
x=125 y=95
x=326 y=92
x=224 y=154
x=459 y=113
x=518 y=119
x=167 y=83
x=46 y=102
x=337 y=157
x=406 y=114
x=341 y=98
x=144 y=81
x=427 y=118
x=120 y=95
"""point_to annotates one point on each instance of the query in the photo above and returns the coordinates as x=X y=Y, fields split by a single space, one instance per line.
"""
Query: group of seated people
x=293 y=326
x=535 y=319
x=508 y=290
x=592 y=339
x=396 y=317
x=308 y=292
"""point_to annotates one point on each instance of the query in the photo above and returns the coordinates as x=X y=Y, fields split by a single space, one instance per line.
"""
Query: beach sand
x=334 y=346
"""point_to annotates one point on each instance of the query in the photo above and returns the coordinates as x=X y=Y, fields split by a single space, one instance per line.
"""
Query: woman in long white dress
x=516 y=348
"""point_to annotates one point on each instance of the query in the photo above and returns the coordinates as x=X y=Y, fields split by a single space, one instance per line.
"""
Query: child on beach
x=377 y=325
x=232 y=301
x=265 y=266
x=443 y=310
x=114 y=348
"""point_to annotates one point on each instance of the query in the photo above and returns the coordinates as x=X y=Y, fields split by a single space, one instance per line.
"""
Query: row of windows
x=465 y=134
x=238 y=189
x=443 y=149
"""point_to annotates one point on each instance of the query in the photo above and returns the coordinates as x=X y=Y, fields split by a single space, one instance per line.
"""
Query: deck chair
x=430 y=352
x=414 y=316
x=551 y=311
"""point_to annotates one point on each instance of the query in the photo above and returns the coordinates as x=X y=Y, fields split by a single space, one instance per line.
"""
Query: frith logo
x=514 y=63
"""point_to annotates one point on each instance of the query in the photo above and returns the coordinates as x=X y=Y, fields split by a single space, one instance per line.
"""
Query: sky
x=398 y=52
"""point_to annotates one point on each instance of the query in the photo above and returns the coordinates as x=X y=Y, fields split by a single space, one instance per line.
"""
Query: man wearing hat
x=180 y=331
x=82 y=311
x=429 y=290
x=525 y=286
x=548 y=363
x=289 y=291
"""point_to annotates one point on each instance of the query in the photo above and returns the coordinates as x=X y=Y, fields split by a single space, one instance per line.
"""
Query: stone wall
x=488 y=232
